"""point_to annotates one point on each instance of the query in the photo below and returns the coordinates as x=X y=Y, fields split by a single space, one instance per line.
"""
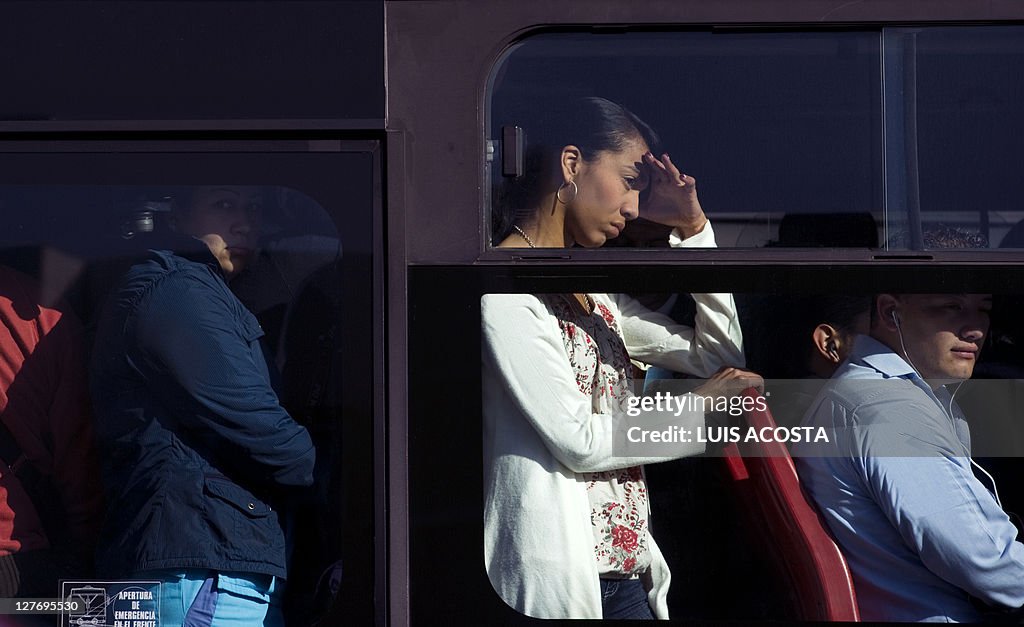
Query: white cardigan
x=540 y=435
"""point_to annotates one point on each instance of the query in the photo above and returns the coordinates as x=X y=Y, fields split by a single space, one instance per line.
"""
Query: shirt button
x=252 y=506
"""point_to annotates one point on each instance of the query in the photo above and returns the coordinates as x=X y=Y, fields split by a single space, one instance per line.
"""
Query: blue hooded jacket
x=197 y=452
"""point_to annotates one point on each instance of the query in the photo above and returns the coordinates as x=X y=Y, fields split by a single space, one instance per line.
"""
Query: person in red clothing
x=47 y=427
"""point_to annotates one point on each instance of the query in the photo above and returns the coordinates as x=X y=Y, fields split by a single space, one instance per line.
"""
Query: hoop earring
x=564 y=186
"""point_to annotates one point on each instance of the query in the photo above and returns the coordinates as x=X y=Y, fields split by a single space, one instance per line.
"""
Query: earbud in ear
x=832 y=350
x=895 y=318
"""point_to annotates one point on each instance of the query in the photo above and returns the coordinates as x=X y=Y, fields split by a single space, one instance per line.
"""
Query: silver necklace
x=524 y=235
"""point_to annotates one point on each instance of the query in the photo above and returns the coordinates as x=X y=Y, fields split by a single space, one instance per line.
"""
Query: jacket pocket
x=238 y=497
x=240 y=526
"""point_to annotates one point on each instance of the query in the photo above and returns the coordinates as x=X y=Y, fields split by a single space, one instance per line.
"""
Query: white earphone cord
x=949 y=412
x=991 y=479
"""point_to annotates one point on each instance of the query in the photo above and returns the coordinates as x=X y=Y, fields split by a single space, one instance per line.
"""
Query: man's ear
x=886 y=306
x=572 y=160
x=827 y=342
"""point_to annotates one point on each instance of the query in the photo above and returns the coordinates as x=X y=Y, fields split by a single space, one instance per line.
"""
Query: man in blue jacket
x=197 y=451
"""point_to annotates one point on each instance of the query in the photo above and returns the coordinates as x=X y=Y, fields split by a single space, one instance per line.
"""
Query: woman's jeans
x=624 y=598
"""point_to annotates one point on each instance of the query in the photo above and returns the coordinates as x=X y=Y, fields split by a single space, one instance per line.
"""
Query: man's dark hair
x=783 y=337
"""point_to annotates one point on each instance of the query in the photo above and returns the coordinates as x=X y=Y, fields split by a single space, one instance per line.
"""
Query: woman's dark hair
x=591 y=124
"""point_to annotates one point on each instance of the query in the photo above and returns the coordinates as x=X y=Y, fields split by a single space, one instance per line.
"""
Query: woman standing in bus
x=566 y=520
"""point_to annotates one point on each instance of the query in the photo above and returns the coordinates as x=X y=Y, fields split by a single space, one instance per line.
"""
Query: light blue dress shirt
x=895 y=485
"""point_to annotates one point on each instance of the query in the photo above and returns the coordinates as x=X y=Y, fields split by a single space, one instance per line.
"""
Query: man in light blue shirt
x=921 y=533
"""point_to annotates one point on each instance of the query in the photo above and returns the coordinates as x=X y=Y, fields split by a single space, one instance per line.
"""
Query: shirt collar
x=191 y=248
x=885 y=360
x=870 y=351
x=201 y=254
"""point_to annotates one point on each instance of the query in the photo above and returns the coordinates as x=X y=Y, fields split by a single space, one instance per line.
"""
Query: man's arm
x=941 y=510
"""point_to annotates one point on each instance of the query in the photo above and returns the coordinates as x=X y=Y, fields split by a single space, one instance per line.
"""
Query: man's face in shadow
x=940 y=335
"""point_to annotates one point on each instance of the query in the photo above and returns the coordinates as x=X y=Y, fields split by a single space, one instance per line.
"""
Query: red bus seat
x=786 y=522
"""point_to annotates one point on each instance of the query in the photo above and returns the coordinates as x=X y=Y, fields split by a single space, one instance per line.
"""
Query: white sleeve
x=523 y=344
x=654 y=338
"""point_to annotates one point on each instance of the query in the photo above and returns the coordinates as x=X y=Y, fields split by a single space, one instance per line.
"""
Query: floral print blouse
x=618 y=498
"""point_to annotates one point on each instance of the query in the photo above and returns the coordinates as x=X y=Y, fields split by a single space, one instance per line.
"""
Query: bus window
x=804 y=139
x=781 y=131
x=297 y=255
x=722 y=567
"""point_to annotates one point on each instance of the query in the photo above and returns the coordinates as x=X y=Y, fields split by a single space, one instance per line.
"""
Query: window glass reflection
x=970 y=91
